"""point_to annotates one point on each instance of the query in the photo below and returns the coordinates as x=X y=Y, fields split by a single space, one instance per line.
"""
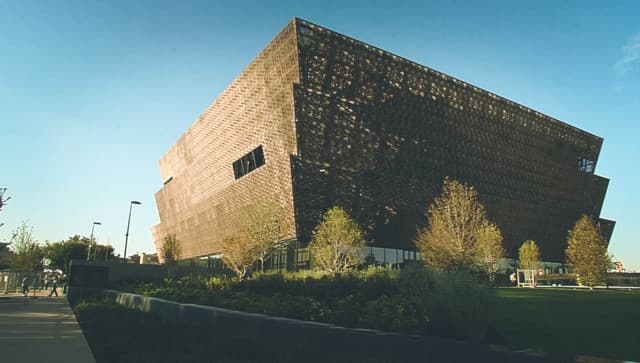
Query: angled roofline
x=298 y=20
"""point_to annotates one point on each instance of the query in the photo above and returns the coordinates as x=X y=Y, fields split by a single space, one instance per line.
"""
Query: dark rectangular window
x=259 y=155
x=248 y=163
x=586 y=165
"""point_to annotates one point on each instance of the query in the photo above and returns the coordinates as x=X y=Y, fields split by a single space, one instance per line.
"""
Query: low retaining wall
x=104 y=274
x=310 y=337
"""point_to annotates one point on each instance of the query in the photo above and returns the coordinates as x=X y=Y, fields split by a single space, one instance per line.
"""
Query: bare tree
x=266 y=230
x=239 y=254
x=336 y=242
x=3 y=201
x=27 y=254
x=458 y=234
x=263 y=232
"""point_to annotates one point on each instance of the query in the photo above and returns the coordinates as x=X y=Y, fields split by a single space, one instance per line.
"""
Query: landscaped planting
x=118 y=334
x=414 y=300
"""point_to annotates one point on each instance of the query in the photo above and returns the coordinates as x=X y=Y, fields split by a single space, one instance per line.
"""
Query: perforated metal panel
x=377 y=134
x=342 y=122
x=203 y=202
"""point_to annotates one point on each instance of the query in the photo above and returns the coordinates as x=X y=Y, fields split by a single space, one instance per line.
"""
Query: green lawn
x=598 y=323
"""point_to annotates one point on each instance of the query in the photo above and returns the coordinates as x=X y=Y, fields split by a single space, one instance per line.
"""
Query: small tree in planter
x=239 y=254
x=587 y=253
x=264 y=231
x=529 y=256
x=336 y=242
x=459 y=236
x=171 y=252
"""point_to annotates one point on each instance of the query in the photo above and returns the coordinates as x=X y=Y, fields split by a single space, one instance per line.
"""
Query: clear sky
x=93 y=93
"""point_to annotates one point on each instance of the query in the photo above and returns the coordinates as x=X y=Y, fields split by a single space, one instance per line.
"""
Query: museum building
x=319 y=119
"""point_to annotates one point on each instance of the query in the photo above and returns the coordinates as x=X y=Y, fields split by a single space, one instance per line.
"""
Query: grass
x=599 y=323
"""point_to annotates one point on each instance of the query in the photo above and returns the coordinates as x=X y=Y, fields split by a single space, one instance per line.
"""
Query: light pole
x=126 y=236
x=92 y=227
x=91 y=239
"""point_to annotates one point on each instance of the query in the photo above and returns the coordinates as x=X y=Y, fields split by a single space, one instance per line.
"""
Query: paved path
x=40 y=329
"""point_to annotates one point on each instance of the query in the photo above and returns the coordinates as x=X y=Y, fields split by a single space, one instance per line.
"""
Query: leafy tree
x=27 y=253
x=459 y=235
x=587 y=252
x=529 y=255
x=263 y=232
x=489 y=249
x=171 y=250
x=102 y=253
x=61 y=253
x=336 y=242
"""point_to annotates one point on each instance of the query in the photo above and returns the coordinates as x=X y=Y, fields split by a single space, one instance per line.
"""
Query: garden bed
x=412 y=301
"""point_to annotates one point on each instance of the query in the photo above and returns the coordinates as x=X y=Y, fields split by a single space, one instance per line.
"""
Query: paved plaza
x=40 y=329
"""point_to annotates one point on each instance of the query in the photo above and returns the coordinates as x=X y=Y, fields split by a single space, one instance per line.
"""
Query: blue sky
x=93 y=93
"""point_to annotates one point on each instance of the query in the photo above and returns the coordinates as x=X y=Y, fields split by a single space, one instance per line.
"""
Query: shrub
x=413 y=300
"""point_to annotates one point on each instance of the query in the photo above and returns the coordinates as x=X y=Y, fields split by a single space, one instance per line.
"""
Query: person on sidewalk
x=25 y=286
x=54 y=287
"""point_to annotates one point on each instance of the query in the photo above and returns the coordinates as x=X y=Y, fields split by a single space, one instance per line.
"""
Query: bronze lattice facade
x=319 y=119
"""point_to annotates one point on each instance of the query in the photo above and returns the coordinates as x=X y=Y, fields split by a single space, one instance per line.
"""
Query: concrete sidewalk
x=40 y=329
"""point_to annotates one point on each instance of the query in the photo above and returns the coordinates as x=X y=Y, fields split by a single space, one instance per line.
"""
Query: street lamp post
x=126 y=236
x=91 y=239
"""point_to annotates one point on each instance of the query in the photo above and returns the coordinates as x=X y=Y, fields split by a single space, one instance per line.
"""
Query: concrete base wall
x=99 y=274
x=311 y=338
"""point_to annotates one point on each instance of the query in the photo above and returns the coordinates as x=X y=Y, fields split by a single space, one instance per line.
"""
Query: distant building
x=619 y=267
x=320 y=119
x=135 y=259
x=5 y=255
x=149 y=258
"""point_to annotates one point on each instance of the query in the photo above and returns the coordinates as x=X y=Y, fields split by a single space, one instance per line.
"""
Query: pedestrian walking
x=25 y=286
x=54 y=287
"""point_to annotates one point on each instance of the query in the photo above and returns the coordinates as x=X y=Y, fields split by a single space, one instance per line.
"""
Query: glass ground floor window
x=389 y=256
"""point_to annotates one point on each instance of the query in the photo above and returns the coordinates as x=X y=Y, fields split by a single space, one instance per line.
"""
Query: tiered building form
x=320 y=119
